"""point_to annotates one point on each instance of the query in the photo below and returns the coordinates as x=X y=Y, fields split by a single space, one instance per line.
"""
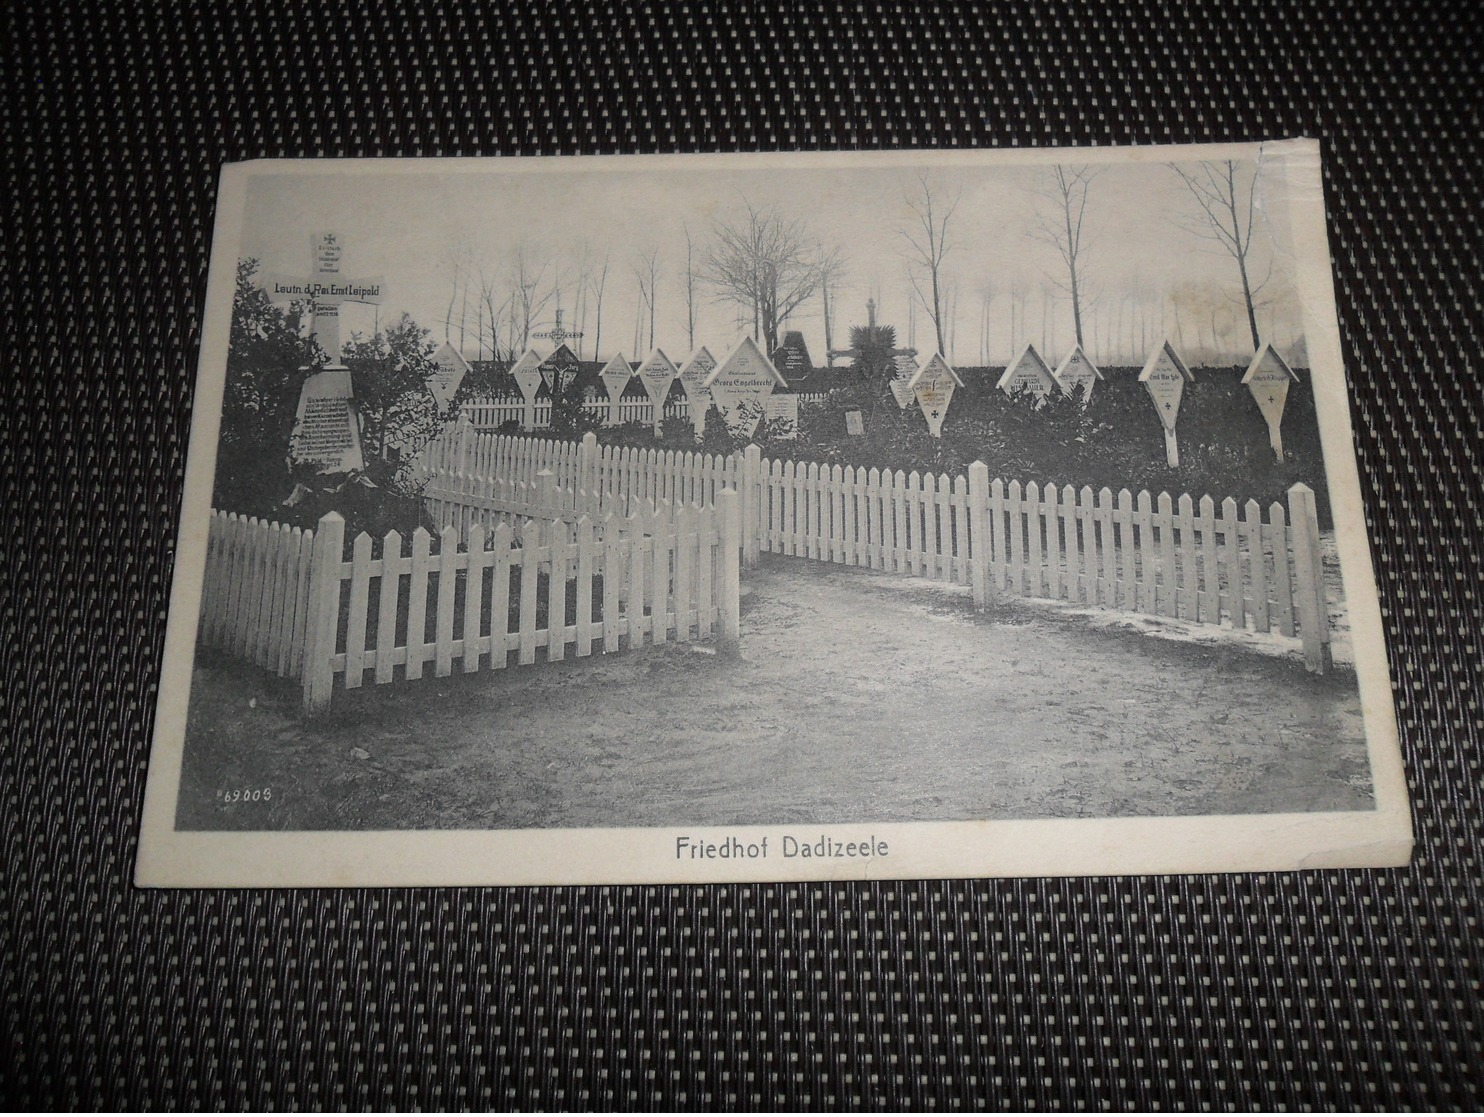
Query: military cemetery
x=512 y=489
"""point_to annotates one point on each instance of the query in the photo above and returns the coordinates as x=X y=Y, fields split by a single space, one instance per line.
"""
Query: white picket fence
x=489 y=413
x=465 y=476
x=255 y=596
x=293 y=602
x=1170 y=557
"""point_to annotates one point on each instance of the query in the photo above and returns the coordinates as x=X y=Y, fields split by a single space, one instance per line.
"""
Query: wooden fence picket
x=530 y=569
x=420 y=564
x=1232 y=552
x=474 y=561
x=1282 y=574
x=613 y=576
x=448 y=542
x=1210 y=598
x=1123 y=527
x=583 y=621
x=386 y=614
x=1252 y=515
x=1189 y=567
x=1147 y=569
x=1169 y=568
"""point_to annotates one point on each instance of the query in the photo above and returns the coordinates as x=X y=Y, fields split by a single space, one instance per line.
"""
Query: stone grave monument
x=327 y=429
x=791 y=358
x=783 y=406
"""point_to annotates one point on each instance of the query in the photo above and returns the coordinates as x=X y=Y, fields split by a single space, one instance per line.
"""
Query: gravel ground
x=859 y=697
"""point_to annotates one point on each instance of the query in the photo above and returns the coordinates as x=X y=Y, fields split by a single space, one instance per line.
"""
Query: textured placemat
x=1333 y=989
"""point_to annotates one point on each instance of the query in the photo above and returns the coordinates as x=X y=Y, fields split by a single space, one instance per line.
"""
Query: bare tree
x=689 y=289
x=463 y=284
x=596 y=282
x=766 y=264
x=1226 y=198
x=828 y=309
x=1061 y=223
x=490 y=312
x=987 y=292
x=647 y=272
x=529 y=295
x=928 y=238
x=1019 y=294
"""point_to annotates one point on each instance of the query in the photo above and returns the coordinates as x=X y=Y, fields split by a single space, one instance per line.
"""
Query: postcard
x=830 y=516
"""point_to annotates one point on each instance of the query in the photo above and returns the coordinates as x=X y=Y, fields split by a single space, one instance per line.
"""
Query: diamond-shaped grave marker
x=615 y=376
x=526 y=373
x=1077 y=374
x=657 y=373
x=1164 y=377
x=933 y=386
x=452 y=368
x=1267 y=378
x=741 y=383
x=692 y=376
x=1028 y=373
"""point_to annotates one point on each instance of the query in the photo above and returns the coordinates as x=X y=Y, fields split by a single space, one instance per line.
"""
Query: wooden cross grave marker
x=558 y=334
x=326 y=290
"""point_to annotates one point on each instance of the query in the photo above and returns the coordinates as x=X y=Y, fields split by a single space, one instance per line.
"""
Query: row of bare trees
x=1225 y=197
x=767 y=266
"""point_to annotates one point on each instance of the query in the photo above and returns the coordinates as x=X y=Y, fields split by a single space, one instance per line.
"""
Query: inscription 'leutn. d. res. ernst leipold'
x=308 y=289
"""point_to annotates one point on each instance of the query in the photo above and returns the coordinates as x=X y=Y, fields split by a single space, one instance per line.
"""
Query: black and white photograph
x=844 y=516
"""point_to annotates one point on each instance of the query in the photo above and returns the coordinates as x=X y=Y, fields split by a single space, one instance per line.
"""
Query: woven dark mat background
x=1332 y=989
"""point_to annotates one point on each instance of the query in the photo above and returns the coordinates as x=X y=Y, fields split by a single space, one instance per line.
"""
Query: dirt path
x=860 y=697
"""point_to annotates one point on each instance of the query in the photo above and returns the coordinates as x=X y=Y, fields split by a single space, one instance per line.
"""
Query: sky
x=416 y=224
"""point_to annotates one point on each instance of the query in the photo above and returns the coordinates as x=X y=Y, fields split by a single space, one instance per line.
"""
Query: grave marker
x=1267 y=378
x=692 y=378
x=452 y=368
x=326 y=290
x=327 y=431
x=560 y=369
x=1028 y=373
x=901 y=385
x=877 y=342
x=1164 y=378
x=933 y=386
x=526 y=373
x=784 y=406
x=557 y=335
x=792 y=357
x=741 y=383
x=657 y=373
x=855 y=425
x=1077 y=374
x=615 y=376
